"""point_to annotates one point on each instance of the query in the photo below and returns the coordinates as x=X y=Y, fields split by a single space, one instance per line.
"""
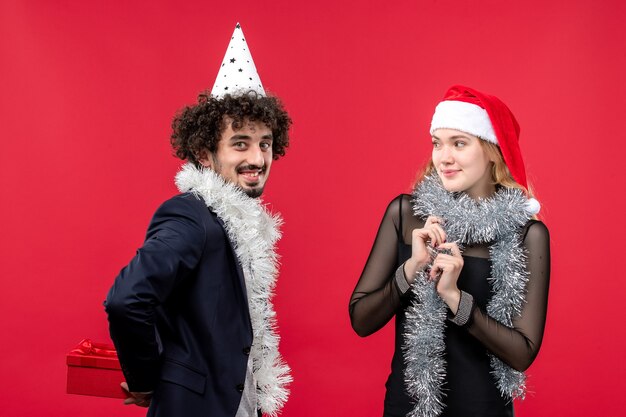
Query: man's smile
x=250 y=174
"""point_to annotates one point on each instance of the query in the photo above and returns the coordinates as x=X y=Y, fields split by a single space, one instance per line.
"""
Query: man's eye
x=239 y=145
x=266 y=145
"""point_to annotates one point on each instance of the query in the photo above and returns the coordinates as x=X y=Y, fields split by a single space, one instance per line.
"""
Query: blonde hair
x=500 y=173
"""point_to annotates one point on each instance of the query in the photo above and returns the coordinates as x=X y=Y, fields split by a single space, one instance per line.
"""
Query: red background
x=87 y=93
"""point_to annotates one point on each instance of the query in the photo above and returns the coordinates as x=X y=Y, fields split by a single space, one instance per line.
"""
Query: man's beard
x=250 y=192
x=253 y=192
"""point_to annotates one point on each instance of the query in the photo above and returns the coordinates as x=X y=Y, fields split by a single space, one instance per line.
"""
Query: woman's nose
x=446 y=155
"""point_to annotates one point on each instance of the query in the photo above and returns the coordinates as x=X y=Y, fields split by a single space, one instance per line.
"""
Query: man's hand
x=142 y=399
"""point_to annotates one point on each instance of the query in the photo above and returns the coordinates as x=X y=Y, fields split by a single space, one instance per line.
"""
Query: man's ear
x=204 y=158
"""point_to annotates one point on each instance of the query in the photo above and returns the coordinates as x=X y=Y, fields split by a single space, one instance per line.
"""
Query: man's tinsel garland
x=253 y=232
x=498 y=221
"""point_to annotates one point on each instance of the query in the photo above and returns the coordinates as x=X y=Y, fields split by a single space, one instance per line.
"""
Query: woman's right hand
x=432 y=233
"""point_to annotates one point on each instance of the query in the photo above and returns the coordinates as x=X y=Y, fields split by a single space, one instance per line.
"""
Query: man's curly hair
x=198 y=128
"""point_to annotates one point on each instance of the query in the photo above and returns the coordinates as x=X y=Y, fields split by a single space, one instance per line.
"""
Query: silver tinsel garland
x=497 y=221
x=253 y=232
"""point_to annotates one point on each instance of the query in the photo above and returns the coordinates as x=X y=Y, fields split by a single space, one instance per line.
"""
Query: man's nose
x=255 y=156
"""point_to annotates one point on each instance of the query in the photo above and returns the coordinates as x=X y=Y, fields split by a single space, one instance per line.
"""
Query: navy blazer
x=178 y=314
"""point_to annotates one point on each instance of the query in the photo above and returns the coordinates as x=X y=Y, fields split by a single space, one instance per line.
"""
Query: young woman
x=463 y=266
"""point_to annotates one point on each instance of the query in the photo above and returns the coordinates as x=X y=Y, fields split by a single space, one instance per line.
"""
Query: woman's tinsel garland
x=498 y=221
x=253 y=232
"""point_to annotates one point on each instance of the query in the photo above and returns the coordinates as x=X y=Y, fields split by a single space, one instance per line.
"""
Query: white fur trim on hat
x=463 y=116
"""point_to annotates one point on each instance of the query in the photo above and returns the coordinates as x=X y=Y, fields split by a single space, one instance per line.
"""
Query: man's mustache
x=251 y=168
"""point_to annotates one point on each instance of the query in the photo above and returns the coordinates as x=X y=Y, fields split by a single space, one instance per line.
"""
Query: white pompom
x=532 y=206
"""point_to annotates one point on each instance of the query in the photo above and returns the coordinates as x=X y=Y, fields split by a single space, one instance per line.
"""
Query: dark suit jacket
x=178 y=314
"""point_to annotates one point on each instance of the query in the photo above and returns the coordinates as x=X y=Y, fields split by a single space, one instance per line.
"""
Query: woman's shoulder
x=400 y=211
x=536 y=225
x=536 y=231
x=401 y=200
x=402 y=203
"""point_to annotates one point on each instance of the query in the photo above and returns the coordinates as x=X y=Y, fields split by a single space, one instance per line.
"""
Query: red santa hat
x=488 y=118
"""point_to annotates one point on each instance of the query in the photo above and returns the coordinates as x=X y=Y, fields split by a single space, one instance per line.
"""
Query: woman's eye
x=460 y=144
x=435 y=144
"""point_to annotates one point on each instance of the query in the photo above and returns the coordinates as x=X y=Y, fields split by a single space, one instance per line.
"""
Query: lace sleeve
x=377 y=296
x=518 y=346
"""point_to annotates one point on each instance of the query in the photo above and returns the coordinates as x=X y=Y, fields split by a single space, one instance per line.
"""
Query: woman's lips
x=450 y=172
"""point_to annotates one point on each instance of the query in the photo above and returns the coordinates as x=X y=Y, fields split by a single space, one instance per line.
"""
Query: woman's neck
x=481 y=191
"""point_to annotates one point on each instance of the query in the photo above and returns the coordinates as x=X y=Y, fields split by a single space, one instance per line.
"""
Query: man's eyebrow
x=240 y=136
x=248 y=137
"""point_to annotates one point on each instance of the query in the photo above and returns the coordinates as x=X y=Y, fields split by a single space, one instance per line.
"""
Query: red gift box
x=93 y=369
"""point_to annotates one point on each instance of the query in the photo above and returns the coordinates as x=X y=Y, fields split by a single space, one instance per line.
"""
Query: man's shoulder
x=189 y=213
x=185 y=200
x=185 y=204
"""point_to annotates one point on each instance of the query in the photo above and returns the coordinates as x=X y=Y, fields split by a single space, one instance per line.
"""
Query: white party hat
x=237 y=73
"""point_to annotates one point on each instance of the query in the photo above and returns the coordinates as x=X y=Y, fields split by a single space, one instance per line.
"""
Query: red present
x=93 y=369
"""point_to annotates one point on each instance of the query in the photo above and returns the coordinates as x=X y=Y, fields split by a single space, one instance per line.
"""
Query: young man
x=182 y=314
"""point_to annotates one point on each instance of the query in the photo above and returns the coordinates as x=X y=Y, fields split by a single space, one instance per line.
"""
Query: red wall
x=87 y=92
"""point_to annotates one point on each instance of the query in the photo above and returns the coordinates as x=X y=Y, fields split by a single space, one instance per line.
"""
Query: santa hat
x=238 y=74
x=488 y=118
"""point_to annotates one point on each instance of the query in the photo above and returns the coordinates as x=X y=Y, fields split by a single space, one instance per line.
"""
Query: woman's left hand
x=445 y=271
